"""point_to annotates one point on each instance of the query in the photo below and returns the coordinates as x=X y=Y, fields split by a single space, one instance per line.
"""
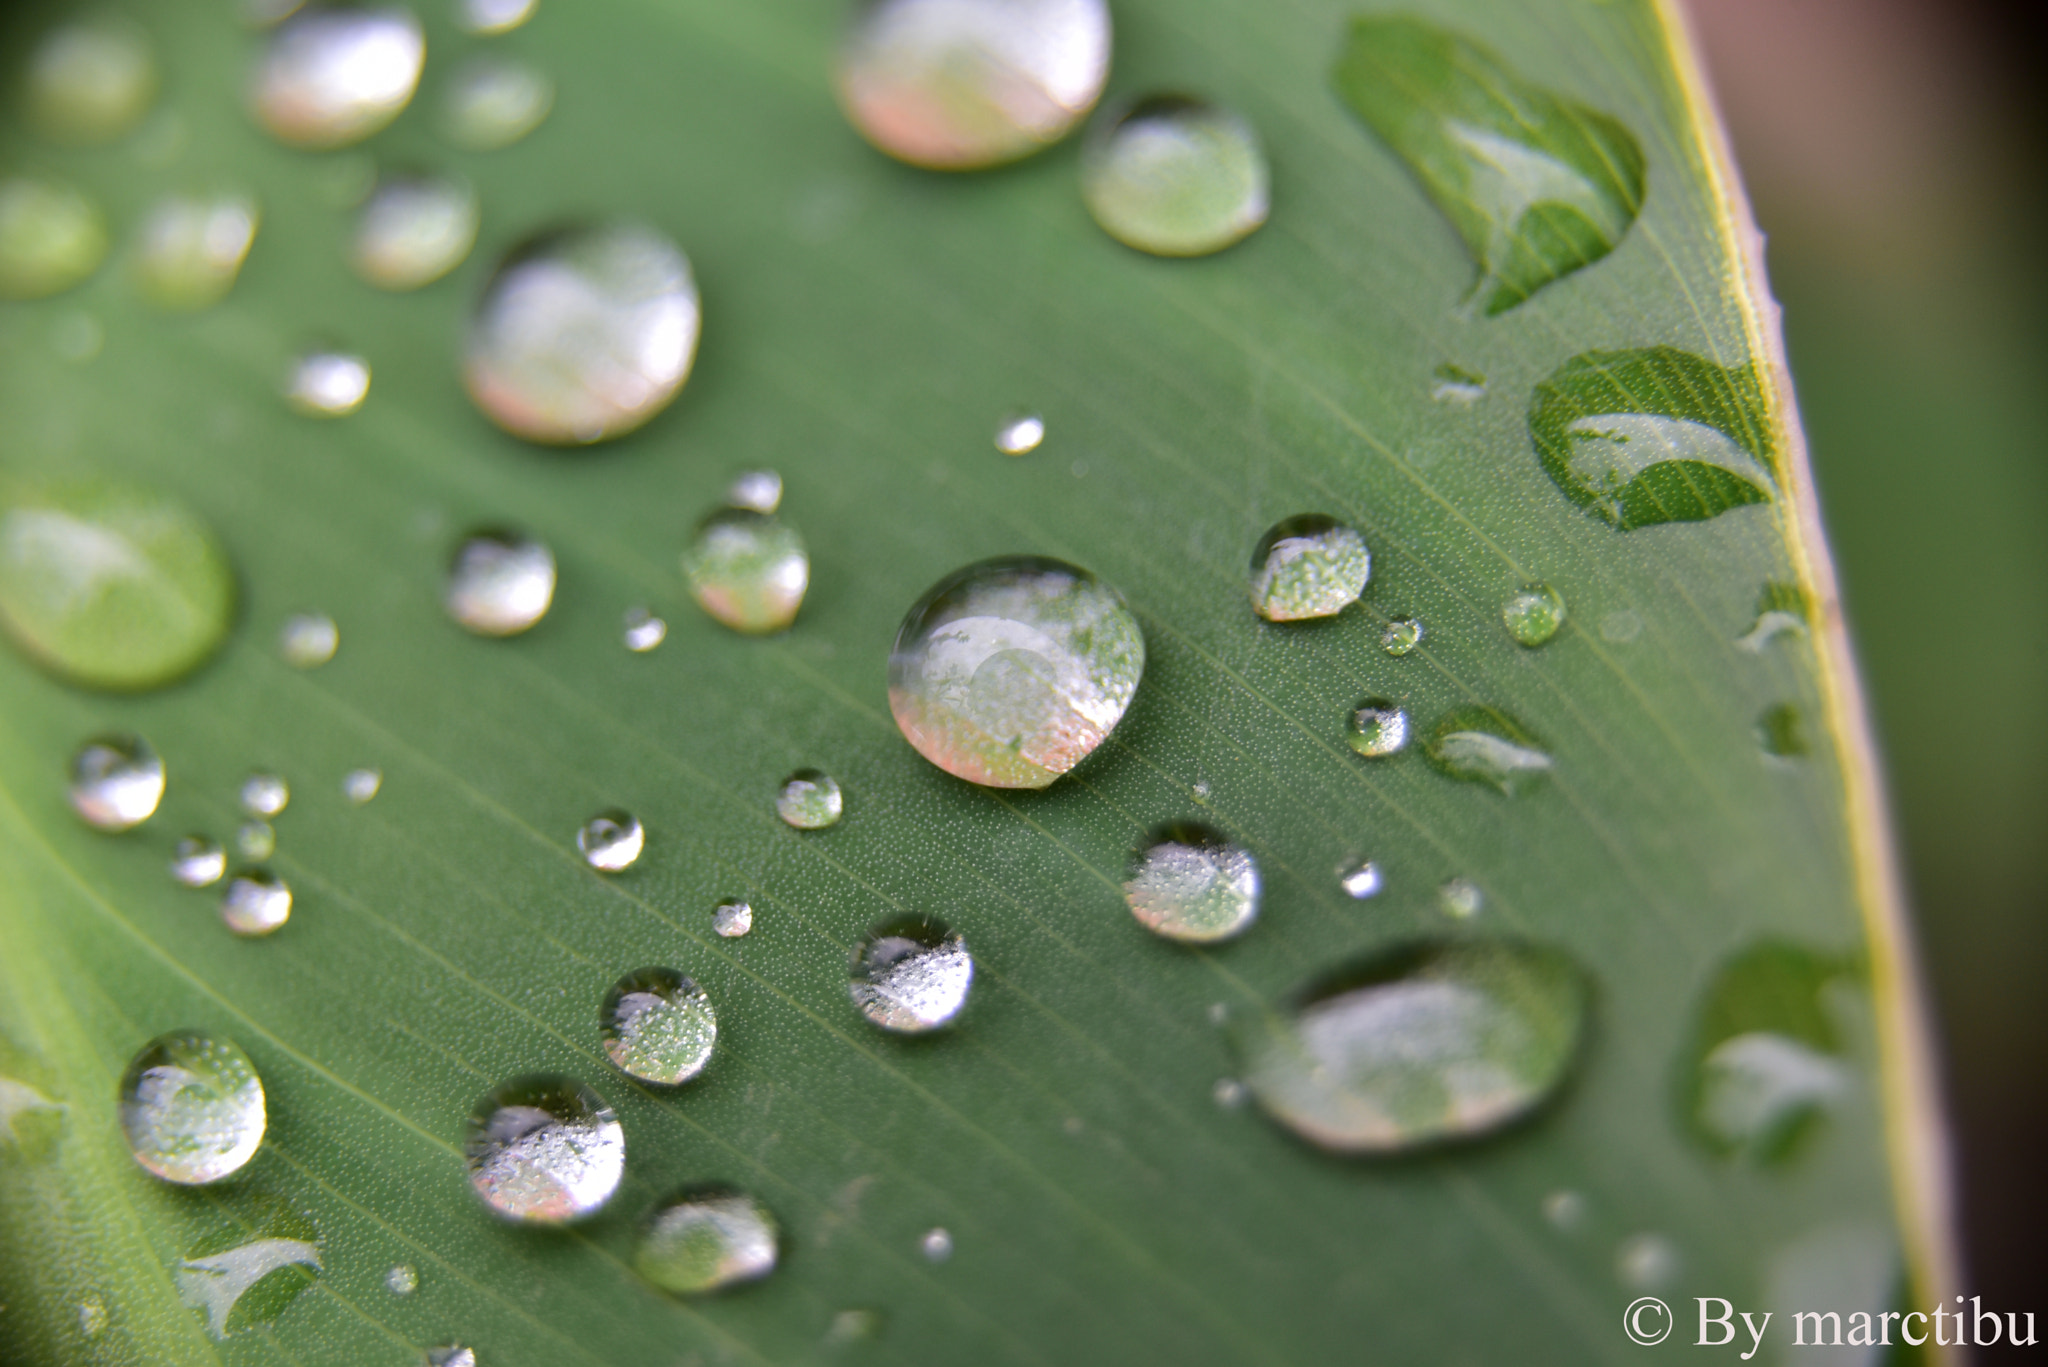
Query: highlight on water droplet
x=360 y=785
x=748 y=570
x=256 y=840
x=1363 y=880
x=265 y=794
x=1402 y=635
x=490 y=17
x=1020 y=434
x=333 y=76
x=658 y=1025
x=1308 y=566
x=643 y=631
x=1011 y=671
x=192 y=1108
x=492 y=102
x=936 y=1245
x=1194 y=884
x=116 y=782
x=705 y=1239
x=1175 y=176
x=91 y=80
x=51 y=237
x=732 y=918
x=1766 y=1063
x=544 y=1149
x=911 y=975
x=190 y=248
x=1421 y=1044
x=1455 y=385
x=757 y=491
x=308 y=640
x=610 y=841
x=1377 y=728
x=500 y=583
x=198 y=862
x=257 y=902
x=810 y=800
x=1533 y=615
x=402 y=1280
x=413 y=230
x=1781 y=732
x=1460 y=899
x=1486 y=745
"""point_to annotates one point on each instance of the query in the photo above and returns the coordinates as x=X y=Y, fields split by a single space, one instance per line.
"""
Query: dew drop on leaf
x=911 y=976
x=265 y=795
x=1533 y=615
x=706 y=1239
x=51 y=237
x=500 y=583
x=757 y=491
x=1402 y=635
x=192 y=1108
x=1377 y=728
x=658 y=1025
x=451 y=1355
x=1457 y=386
x=544 y=1149
x=1565 y=1210
x=487 y=18
x=1175 y=176
x=732 y=918
x=413 y=230
x=91 y=80
x=611 y=841
x=360 y=785
x=1229 y=1094
x=1486 y=745
x=936 y=1245
x=493 y=102
x=1020 y=434
x=256 y=903
x=1363 y=881
x=810 y=800
x=642 y=630
x=402 y=1280
x=1308 y=566
x=256 y=839
x=748 y=570
x=198 y=862
x=308 y=640
x=1781 y=732
x=189 y=248
x=1192 y=883
x=1646 y=1262
x=329 y=77
x=116 y=782
x=1460 y=899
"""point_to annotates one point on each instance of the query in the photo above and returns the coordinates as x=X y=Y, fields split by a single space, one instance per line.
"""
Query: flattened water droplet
x=1377 y=728
x=501 y=583
x=413 y=230
x=1308 y=566
x=1781 y=731
x=1460 y=898
x=705 y=1239
x=748 y=570
x=256 y=903
x=493 y=102
x=1453 y=384
x=236 y=1281
x=611 y=840
x=643 y=630
x=1486 y=745
x=956 y=85
x=544 y=1149
x=402 y=1280
x=192 y=1108
x=256 y=840
x=51 y=238
x=1419 y=1045
x=198 y=862
x=1012 y=671
x=92 y=80
x=1402 y=635
x=1020 y=434
x=190 y=248
x=936 y=1245
x=658 y=1026
x=1364 y=881
x=1192 y=883
x=1175 y=176
x=732 y=919
x=583 y=334
x=757 y=491
x=360 y=785
x=116 y=782
x=1533 y=615
x=332 y=76
x=265 y=794
x=911 y=976
x=1765 y=1065
x=308 y=639
x=328 y=384
x=1781 y=610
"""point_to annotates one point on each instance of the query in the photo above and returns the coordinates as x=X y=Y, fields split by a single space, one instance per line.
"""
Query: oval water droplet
x=758 y=491
x=1767 y=1063
x=810 y=800
x=912 y=976
x=1012 y=671
x=748 y=570
x=256 y=903
x=1175 y=176
x=501 y=583
x=1402 y=635
x=1192 y=883
x=333 y=76
x=413 y=230
x=643 y=631
x=198 y=862
x=328 y=384
x=1308 y=566
x=936 y=1245
x=1020 y=434
x=1533 y=615
x=192 y=1108
x=1363 y=881
x=360 y=785
x=1454 y=384
x=190 y=248
x=956 y=85
x=488 y=17
x=1486 y=745
x=308 y=640
x=1377 y=728
x=704 y=1239
x=544 y=1149
x=610 y=841
x=265 y=794
x=256 y=840
x=402 y=1280
x=51 y=238
x=116 y=782
x=91 y=80
x=493 y=102
x=1460 y=898
x=658 y=1026
x=1419 y=1045
x=732 y=919
x=583 y=334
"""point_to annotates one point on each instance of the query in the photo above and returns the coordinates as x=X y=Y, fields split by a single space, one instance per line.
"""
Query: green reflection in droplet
x=1175 y=176
x=51 y=238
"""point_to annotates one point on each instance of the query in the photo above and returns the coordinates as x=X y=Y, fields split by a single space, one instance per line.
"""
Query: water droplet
x=1402 y=635
x=583 y=334
x=1566 y=1210
x=500 y=583
x=1218 y=1013
x=116 y=782
x=1460 y=898
x=256 y=840
x=544 y=1149
x=732 y=919
x=1486 y=745
x=1308 y=566
x=257 y=902
x=1620 y=626
x=222 y=1281
x=706 y=1239
x=360 y=785
x=413 y=230
x=1229 y=1094
x=265 y=794
x=487 y=17
x=1193 y=884
x=451 y=1355
x=658 y=1026
x=1417 y=1045
x=192 y=1108
x=308 y=639
x=402 y=1280
x=92 y=1317
x=1364 y=881
x=912 y=975
x=198 y=862
x=1020 y=434
x=1765 y=1064
x=1534 y=615
x=51 y=238
x=757 y=491
x=854 y=1326
x=190 y=248
x=493 y=102
x=92 y=80
x=110 y=585
x=748 y=570
x=1012 y=671
x=330 y=77
x=1175 y=176
x=936 y=1245
x=1781 y=610
x=1453 y=384
x=1378 y=728
x=1781 y=731
x=611 y=840
x=810 y=800
x=643 y=630
x=956 y=85
x=1646 y=1262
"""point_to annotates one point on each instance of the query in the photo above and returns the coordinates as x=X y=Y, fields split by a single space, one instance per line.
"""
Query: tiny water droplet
x=1533 y=615
x=487 y=17
x=1229 y=1093
x=1200 y=792
x=611 y=840
x=500 y=583
x=308 y=639
x=748 y=570
x=911 y=976
x=854 y=1326
x=332 y=76
x=265 y=794
x=1218 y=1013
x=1453 y=384
x=198 y=862
x=1566 y=1210
x=256 y=903
x=1020 y=434
x=92 y=1317
x=92 y=80
x=706 y=1239
x=1191 y=883
x=1460 y=898
x=1364 y=881
x=732 y=919
x=116 y=782
x=1175 y=176
x=658 y=1026
x=1402 y=635
x=936 y=1245
x=360 y=785
x=1781 y=731
x=1377 y=729
x=810 y=800
x=1308 y=566
x=413 y=230
x=493 y=102
x=402 y=1280
x=1646 y=1262
x=451 y=1355
x=1486 y=745
x=757 y=491
x=544 y=1149
x=192 y=1108
x=643 y=630
x=256 y=840
x=51 y=238
x=190 y=248
x=1621 y=627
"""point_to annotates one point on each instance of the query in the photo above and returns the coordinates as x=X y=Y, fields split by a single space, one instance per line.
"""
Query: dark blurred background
x=1893 y=153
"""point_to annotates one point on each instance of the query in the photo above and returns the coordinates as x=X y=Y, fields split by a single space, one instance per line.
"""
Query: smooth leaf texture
x=866 y=328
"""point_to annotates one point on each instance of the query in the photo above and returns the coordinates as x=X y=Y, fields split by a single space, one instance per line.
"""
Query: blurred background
x=1893 y=153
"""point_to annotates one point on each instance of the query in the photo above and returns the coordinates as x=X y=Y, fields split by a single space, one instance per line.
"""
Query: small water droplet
x=1229 y=1094
x=1566 y=1210
x=611 y=840
x=643 y=630
x=748 y=570
x=413 y=230
x=936 y=1245
x=1533 y=615
x=192 y=1108
x=956 y=85
x=1781 y=731
x=1646 y=1262
x=732 y=919
x=1308 y=566
x=1218 y=1013
x=705 y=1239
x=1486 y=745
x=1620 y=627
x=1191 y=883
x=328 y=384
x=360 y=785
x=265 y=794
x=1020 y=434
x=257 y=902
x=583 y=334
x=92 y=80
x=190 y=248
x=92 y=1317
x=810 y=800
x=256 y=840
x=488 y=17
x=451 y=1355
x=1765 y=1065
x=500 y=583
x=854 y=1326
x=402 y=1280
x=1377 y=728
x=544 y=1149
x=757 y=491
x=1781 y=610
x=1012 y=671
x=308 y=640
x=1460 y=898
x=222 y=1276
x=658 y=1026
x=1364 y=881
x=116 y=782
x=198 y=862
x=1453 y=384
x=493 y=102
x=1175 y=176
x=911 y=976
x=332 y=76
x=1402 y=635
x=51 y=238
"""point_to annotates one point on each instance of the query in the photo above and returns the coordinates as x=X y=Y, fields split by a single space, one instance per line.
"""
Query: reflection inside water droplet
x=192 y=1108
x=452 y=1355
x=116 y=782
x=1193 y=884
x=308 y=640
x=1308 y=566
x=1460 y=898
x=256 y=903
x=1402 y=635
x=1175 y=176
x=748 y=570
x=328 y=384
x=810 y=800
x=413 y=230
x=332 y=76
x=705 y=1239
x=500 y=583
x=544 y=1149
x=493 y=102
x=91 y=80
x=1377 y=728
x=611 y=840
x=1533 y=615
x=732 y=919
x=911 y=976
x=198 y=862
x=1020 y=434
x=658 y=1026
x=402 y=1280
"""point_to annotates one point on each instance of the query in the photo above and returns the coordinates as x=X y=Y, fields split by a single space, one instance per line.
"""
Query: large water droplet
x=192 y=1108
x=51 y=238
x=308 y=640
x=501 y=583
x=198 y=862
x=810 y=800
x=1012 y=671
x=91 y=80
x=705 y=1239
x=1175 y=176
x=732 y=919
x=1765 y=1064
x=488 y=17
x=1020 y=435
x=1533 y=615
x=330 y=77
x=256 y=903
x=959 y=84
x=1308 y=566
x=116 y=782
x=1486 y=745
x=611 y=840
x=1192 y=883
x=265 y=794
x=413 y=230
x=583 y=334
x=912 y=975
x=748 y=570
x=544 y=1149
x=190 y=248
x=1419 y=1045
x=493 y=102
x=1377 y=728
x=658 y=1026
x=1402 y=635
